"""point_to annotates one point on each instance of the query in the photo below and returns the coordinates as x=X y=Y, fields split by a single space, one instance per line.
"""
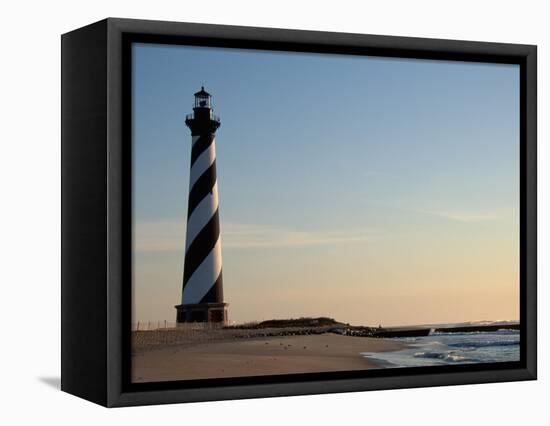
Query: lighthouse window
x=203 y=101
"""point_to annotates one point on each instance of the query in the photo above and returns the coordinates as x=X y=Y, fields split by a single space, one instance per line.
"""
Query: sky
x=371 y=190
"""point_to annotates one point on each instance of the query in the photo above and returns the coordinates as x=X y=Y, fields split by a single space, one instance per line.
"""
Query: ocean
x=452 y=348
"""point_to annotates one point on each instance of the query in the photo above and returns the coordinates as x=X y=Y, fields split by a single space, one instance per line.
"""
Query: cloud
x=164 y=236
x=159 y=236
x=465 y=216
x=253 y=236
x=462 y=215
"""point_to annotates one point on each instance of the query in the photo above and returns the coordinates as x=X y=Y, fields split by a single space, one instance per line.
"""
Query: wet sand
x=257 y=356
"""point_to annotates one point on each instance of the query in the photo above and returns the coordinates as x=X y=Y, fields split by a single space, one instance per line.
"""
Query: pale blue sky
x=318 y=153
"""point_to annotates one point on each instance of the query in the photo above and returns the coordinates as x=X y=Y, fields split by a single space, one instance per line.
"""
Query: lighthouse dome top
x=203 y=99
x=202 y=93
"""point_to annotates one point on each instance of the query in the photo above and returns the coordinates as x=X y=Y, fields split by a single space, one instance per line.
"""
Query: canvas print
x=305 y=213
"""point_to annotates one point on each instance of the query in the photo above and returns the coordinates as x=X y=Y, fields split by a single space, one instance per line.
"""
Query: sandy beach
x=230 y=357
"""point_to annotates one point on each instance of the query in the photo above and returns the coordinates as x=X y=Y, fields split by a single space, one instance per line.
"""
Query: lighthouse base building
x=202 y=293
x=203 y=312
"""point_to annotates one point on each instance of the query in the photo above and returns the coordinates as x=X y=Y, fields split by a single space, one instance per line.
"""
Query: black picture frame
x=96 y=213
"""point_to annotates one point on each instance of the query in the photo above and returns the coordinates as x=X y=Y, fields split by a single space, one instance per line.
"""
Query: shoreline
x=257 y=356
x=296 y=346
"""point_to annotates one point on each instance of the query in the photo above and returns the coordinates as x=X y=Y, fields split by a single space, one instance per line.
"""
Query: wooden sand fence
x=164 y=333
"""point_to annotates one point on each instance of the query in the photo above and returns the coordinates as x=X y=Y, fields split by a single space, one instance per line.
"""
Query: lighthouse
x=202 y=293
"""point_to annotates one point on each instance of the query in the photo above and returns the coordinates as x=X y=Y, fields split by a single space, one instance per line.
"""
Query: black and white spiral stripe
x=202 y=276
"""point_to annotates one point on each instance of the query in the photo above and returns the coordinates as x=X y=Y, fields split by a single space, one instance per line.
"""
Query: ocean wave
x=454 y=348
x=506 y=331
x=450 y=356
x=470 y=333
x=483 y=344
x=504 y=323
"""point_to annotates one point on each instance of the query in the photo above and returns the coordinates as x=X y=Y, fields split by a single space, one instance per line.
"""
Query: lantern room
x=203 y=99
